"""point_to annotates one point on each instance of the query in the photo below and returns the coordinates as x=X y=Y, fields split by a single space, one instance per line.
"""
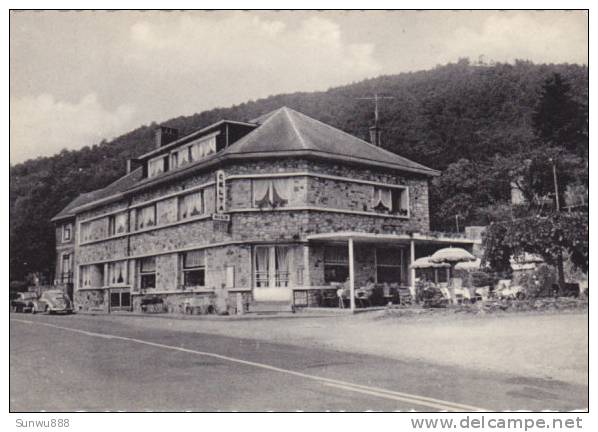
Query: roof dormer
x=172 y=152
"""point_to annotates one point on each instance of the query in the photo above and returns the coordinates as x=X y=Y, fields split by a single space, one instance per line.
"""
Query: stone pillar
x=306 y=278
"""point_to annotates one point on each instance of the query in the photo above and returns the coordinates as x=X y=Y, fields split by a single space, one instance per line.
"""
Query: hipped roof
x=280 y=133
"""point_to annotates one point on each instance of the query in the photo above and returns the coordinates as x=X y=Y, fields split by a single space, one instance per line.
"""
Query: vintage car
x=24 y=302
x=53 y=301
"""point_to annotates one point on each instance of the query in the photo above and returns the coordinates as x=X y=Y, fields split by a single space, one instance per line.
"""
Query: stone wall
x=92 y=300
x=250 y=226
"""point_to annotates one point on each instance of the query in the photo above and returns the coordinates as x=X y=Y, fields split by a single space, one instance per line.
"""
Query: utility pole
x=559 y=258
x=375 y=130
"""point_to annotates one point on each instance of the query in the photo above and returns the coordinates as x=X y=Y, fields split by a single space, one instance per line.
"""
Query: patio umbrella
x=469 y=265
x=426 y=263
x=451 y=255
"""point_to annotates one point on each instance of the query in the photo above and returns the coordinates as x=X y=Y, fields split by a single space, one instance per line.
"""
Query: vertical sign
x=220 y=192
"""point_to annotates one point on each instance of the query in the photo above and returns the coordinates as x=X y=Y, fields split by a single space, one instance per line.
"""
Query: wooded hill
x=460 y=118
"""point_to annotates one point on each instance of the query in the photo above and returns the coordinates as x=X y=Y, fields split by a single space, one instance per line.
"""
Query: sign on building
x=220 y=192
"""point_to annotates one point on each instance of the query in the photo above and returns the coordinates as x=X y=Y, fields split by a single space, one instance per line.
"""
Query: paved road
x=70 y=363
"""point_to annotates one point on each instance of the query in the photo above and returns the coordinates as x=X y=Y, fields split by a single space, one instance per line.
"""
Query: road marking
x=345 y=385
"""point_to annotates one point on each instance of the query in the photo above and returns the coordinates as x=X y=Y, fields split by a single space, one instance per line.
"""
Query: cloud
x=42 y=125
x=504 y=37
x=309 y=54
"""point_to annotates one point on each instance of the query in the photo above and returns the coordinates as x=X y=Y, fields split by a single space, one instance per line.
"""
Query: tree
x=547 y=236
x=559 y=120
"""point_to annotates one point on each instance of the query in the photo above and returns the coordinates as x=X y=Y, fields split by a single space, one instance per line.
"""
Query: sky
x=79 y=77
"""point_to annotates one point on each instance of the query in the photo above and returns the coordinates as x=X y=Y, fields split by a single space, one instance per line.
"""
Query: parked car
x=24 y=302
x=53 y=301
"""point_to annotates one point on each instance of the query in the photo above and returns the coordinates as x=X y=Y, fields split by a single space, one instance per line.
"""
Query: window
x=156 y=166
x=66 y=267
x=117 y=273
x=336 y=264
x=271 y=192
x=146 y=217
x=117 y=224
x=272 y=266
x=91 y=276
x=229 y=274
x=85 y=276
x=191 y=205
x=180 y=157
x=120 y=299
x=66 y=232
x=388 y=265
x=201 y=149
x=147 y=273
x=85 y=231
x=194 y=269
x=390 y=200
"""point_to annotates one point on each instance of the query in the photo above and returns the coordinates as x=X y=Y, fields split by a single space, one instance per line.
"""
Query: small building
x=237 y=215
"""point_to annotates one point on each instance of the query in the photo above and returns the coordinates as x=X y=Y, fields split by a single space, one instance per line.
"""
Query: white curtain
x=210 y=146
x=156 y=167
x=194 y=259
x=262 y=266
x=196 y=152
x=85 y=230
x=120 y=221
x=183 y=209
x=282 y=265
x=183 y=156
x=148 y=216
x=382 y=197
x=85 y=279
x=148 y=265
x=117 y=272
x=194 y=203
x=261 y=192
x=281 y=191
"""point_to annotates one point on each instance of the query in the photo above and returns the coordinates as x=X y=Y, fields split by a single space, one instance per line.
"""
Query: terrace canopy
x=432 y=240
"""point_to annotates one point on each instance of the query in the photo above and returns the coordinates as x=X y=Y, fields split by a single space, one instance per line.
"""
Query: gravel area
x=547 y=345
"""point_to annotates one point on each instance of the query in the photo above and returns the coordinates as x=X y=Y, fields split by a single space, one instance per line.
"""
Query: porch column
x=412 y=273
x=351 y=276
x=306 y=279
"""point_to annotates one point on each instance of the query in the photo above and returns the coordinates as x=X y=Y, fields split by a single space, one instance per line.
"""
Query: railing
x=64 y=278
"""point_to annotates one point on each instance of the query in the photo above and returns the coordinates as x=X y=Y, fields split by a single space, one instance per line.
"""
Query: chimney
x=165 y=135
x=375 y=133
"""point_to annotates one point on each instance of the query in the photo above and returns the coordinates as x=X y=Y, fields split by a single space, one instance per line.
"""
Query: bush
x=539 y=282
x=18 y=286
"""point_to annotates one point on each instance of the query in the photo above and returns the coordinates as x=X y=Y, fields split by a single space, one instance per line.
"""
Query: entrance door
x=120 y=299
x=272 y=274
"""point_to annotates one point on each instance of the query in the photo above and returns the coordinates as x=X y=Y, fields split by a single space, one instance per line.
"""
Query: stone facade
x=324 y=198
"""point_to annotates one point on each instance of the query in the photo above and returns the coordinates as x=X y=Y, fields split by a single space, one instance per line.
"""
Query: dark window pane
x=195 y=278
x=125 y=299
x=335 y=273
x=148 y=281
x=389 y=274
x=115 y=299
